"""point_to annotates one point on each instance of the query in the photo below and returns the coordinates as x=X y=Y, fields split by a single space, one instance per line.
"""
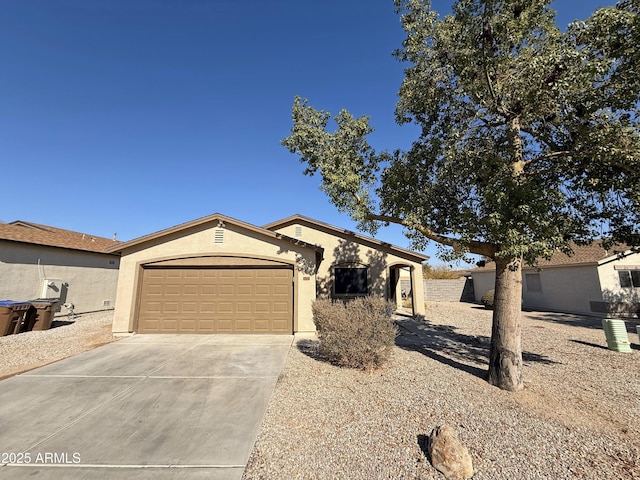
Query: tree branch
x=561 y=153
x=479 y=248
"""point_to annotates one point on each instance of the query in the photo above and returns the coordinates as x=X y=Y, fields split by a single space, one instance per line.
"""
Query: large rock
x=448 y=455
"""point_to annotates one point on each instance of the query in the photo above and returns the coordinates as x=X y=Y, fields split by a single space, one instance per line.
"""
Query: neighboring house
x=592 y=281
x=220 y=275
x=39 y=261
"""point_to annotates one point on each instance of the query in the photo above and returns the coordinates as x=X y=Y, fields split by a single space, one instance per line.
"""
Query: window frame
x=340 y=269
x=629 y=278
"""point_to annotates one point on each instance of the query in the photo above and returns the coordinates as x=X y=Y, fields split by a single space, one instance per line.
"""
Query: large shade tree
x=528 y=143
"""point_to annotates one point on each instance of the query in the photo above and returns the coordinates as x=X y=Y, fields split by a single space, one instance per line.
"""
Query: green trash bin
x=616 y=333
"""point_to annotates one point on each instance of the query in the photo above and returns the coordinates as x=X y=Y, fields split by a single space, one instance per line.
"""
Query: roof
x=592 y=254
x=340 y=232
x=216 y=217
x=37 y=234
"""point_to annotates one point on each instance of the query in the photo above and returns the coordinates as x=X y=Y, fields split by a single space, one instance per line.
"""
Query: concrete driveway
x=146 y=407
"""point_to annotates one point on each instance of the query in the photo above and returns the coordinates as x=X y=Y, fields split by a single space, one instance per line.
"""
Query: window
x=533 y=282
x=350 y=281
x=629 y=278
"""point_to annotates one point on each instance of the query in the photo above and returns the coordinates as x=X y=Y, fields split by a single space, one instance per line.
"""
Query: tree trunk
x=505 y=356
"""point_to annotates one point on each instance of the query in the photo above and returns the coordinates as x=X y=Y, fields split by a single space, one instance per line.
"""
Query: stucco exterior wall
x=89 y=279
x=563 y=289
x=482 y=283
x=199 y=241
x=346 y=251
x=612 y=292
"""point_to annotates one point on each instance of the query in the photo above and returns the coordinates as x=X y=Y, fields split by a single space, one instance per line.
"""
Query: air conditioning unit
x=51 y=288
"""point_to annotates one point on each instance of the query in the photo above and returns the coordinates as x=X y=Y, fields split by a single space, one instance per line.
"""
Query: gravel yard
x=576 y=418
x=28 y=350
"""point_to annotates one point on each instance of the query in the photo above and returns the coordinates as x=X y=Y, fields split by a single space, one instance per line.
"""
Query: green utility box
x=616 y=333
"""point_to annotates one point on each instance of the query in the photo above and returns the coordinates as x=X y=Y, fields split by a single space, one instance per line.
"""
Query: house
x=592 y=281
x=220 y=275
x=39 y=261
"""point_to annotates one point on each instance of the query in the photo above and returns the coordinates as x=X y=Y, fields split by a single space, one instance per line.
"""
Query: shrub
x=439 y=272
x=487 y=300
x=356 y=334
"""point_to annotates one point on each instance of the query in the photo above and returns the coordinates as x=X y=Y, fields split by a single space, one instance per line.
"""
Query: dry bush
x=356 y=334
x=487 y=300
x=439 y=272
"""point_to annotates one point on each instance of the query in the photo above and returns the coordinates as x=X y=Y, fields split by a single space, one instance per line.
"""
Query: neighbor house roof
x=37 y=234
x=591 y=254
x=216 y=217
x=341 y=232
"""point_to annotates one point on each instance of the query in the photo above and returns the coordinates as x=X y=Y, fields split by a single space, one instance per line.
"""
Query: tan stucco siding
x=563 y=289
x=346 y=251
x=482 y=283
x=610 y=280
x=200 y=241
x=89 y=278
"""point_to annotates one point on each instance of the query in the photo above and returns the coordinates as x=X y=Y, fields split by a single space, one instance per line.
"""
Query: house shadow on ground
x=446 y=345
x=583 y=321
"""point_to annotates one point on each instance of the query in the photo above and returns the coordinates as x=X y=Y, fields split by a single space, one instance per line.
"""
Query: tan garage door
x=216 y=300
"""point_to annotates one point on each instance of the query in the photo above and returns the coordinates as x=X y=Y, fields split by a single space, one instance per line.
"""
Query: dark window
x=350 y=281
x=629 y=278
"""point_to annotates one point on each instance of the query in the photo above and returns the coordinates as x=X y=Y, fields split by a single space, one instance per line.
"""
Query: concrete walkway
x=146 y=407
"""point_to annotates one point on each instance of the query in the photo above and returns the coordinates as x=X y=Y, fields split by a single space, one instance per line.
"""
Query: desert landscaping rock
x=448 y=455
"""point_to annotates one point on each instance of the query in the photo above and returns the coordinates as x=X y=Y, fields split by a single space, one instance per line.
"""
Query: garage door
x=216 y=300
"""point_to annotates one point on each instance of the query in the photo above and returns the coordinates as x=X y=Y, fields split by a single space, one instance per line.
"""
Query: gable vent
x=298 y=233
x=218 y=236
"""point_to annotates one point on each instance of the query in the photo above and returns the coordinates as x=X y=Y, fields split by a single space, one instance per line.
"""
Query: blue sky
x=132 y=116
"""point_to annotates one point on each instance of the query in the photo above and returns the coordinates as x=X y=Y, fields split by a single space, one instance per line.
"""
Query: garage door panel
x=280 y=307
x=245 y=290
x=216 y=300
x=281 y=290
x=207 y=307
x=170 y=307
x=226 y=290
x=263 y=289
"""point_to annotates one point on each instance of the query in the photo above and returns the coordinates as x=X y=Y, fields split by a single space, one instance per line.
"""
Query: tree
x=529 y=142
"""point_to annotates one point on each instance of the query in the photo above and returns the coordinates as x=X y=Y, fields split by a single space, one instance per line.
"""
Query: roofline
x=341 y=231
x=209 y=218
x=615 y=256
x=25 y=242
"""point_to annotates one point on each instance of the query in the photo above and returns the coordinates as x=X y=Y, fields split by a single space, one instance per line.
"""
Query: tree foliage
x=528 y=140
x=529 y=136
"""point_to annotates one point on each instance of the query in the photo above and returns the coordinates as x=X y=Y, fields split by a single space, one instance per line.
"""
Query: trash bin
x=44 y=310
x=616 y=333
x=12 y=316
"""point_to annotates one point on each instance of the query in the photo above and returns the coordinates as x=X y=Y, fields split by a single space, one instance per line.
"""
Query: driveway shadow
x=444 y=344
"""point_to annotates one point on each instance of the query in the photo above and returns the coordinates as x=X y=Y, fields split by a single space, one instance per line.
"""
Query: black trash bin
x=44 y=311
x=13 y=316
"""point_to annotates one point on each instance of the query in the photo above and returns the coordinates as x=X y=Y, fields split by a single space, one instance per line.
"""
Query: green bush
x=356 y=334
x=487 y=300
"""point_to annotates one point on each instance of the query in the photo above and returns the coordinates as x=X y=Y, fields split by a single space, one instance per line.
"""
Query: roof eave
x=407 y=254
x=203 y=220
